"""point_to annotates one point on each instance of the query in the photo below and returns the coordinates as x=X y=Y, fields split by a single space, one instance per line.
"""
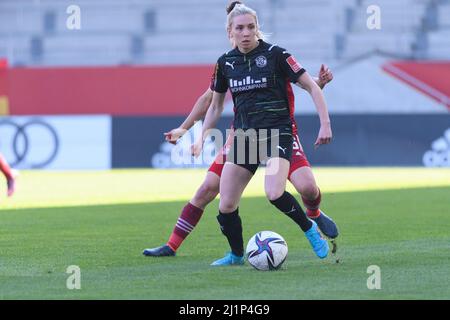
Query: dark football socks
x=289 y=206
x=231 y=226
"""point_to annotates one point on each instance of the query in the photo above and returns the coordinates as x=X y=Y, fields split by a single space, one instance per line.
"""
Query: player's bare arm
x=197 y=113
x=325 y=76
x=316 y=93
x=211 y=118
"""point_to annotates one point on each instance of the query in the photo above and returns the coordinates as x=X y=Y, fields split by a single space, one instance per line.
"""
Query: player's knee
x=227 y=206
x=210 y=191
x=309 y=191
x=274 y=193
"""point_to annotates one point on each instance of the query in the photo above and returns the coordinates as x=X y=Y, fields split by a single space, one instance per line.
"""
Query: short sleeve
x=289 y=66
x=220 y=83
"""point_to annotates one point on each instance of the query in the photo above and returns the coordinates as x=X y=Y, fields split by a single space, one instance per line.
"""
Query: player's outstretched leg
x=325 y=224
x=289 y=205
x=189 y=217
x=231 y=227
x=233 y=181
x=303 y=180
x=9 y=174
x=11 y=182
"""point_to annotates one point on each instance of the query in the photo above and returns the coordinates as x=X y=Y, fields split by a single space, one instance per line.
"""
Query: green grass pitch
x=394 y=218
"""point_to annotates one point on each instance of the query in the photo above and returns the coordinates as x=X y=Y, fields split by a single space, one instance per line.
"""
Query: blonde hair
x=241 y=9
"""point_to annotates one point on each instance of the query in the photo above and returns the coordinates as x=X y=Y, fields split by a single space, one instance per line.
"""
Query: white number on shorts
x=297 y=145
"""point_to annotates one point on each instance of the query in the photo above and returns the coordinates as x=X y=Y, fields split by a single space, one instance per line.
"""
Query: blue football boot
x=229 y=259
x=326 y=225
x=319 y=244
x=162 y=251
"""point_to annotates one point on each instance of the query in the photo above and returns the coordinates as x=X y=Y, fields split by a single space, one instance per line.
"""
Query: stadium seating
x=439 y=44
x=165 y=32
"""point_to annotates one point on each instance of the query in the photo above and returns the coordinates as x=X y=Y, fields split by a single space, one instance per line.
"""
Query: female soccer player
x=257 y=74
x=300 y=176
x=9 y=175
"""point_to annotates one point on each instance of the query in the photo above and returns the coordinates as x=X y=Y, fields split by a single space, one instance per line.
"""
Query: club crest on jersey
x=261 y=61
x=295 y=66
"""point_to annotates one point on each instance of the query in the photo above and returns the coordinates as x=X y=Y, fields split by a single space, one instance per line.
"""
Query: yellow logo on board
x=4 y=106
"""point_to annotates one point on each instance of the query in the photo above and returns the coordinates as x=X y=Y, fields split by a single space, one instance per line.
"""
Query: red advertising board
x=161 y=90
x=153 y=90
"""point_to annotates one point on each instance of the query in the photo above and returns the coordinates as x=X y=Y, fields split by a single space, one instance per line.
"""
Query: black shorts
x=252 y=147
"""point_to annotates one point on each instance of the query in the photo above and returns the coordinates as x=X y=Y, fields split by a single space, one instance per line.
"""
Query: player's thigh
x=277 y=170
x=233 y=181
x=303 y=180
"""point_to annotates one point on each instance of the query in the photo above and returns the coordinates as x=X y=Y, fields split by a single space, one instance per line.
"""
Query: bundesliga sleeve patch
x=295 y=66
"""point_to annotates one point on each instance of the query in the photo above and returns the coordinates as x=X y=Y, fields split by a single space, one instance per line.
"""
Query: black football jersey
x=259 y=82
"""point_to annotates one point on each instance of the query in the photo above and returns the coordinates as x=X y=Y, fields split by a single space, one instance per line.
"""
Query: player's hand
x=325 y=75
x=196 y=148
x=324 y=136
x=173 y=135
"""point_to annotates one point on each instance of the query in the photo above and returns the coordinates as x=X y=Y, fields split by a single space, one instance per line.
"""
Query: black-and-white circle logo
x=261 y=61
x=29 y=144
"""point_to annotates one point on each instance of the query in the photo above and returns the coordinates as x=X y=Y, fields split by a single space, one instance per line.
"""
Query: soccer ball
x=266 y=250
